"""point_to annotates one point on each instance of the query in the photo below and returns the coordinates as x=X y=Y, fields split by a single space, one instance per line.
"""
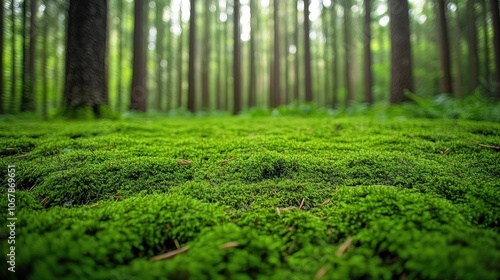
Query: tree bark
x=1 y=58
x=252 y=93
x=307 y=54
x=205 y=76
x=85 y=83
x=13 y=76
x=237 y=59
x=445 y=80
x=473 y=49
x=401 y=61
x=368 y=53
x=28 y=95
x=191 y=106
x=349 y=53
x=139 y=96
x=275 y=93
x=180 y=61
x=119 y=100
x=160 y=28
x=45 y=82
x=458 y=53
x=486 y=43
x=496 y=43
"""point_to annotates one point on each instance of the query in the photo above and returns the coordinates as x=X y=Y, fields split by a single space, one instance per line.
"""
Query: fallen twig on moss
x=170 y=254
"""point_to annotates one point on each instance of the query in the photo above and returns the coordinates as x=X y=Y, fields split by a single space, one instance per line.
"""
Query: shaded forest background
x=235 y=55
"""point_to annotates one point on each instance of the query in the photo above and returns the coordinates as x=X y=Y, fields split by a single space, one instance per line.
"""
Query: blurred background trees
x=233 y=55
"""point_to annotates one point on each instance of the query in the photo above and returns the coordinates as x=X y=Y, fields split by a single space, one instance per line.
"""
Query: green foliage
x=255 y=197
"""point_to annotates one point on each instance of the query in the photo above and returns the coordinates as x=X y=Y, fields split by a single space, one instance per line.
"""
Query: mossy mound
x=246 y=198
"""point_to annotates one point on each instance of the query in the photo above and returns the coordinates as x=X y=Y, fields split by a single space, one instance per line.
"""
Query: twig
x=344 y=247
x=496 y=148
x=228 y=245
x=170 y=254
x=302 y=203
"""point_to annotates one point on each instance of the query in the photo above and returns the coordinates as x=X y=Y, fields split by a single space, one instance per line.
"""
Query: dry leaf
x=184 y=161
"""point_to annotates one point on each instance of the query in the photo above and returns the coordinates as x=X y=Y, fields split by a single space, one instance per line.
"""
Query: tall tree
x=296 y=57
x=205 y=65
x=45 y=54
x=237 y=59
x=445 y=81
x=27 y=100
x=401 y=61
x=472 y=42
x=13 y=57
x=28 y=97
x=1 y=59
x=307 y=54
x=349 y=53
x=159 y=48
x=85 y=84
x=275 y=88
x=496 y=43
x=458 y=56
x=252 y=93
x=486 y=41
x=191 y=104
x=368 y=53
x=180 y=60
x=138 y=97
x=119 y=61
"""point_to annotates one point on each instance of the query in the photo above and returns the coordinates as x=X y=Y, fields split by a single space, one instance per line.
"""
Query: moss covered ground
x=253 y=198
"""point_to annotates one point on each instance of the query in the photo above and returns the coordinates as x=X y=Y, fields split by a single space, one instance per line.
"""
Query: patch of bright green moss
x=412 y=198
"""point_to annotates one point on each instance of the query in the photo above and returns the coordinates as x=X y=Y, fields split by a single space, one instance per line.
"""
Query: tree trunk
x=119 y=100
x=28 y=95
x=252 y=93
x=401 y=61
x=445 y=80
x=307 y=54
x=349 y=53
x=1 y=59
x=13 y=60
x=160 y=28
x=45 y=82
x=458 y=53
x=496 y=43
x=275 y=93
x=336 y=80
x=237 y=59
x=85 y=84
x=473 y=49
x=191 y=106
x=368 y=53
x=180 y=61
x=139 y=96
x=326 y=65
x=484 y=9
x=296 y=56
x=205 y=77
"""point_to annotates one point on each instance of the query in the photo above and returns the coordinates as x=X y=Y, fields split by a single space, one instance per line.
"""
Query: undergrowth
x=254 y=197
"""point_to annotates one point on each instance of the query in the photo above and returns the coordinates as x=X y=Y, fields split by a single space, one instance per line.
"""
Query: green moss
x=97 y=199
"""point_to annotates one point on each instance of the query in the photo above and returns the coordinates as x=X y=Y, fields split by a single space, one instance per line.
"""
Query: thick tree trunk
x=85 y=84
x=307 y=54
x=445 y=80
x=237 y=59
x=401 y=61
x=28 y=95
x=496 y=43
x=486 y=41
x=139 y=96
x=368 y=53
x=191 y=105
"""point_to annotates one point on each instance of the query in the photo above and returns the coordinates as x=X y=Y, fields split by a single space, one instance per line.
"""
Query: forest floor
x=253 y=197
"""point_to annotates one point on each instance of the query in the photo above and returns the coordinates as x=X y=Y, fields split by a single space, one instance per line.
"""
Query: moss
x=293 y=197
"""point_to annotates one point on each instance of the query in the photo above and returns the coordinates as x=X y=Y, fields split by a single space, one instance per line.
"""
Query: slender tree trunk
x=227 y=61
x=180 y=61
x=484 y=9
x=252 y=93
x=401 y=61
x=237 y=59
x=349 y=53
x=45 y=82
x=326 y=51
x=27 y=96
x=205 y=79
x=285 y=53
x=296 y=56
x=169 y=56
x=275 y=82
x=307 y=54
x=445 y=80
x=1 y=58
x=473 y=49
x=368 y=53
x=160 y=28
x=458 y=57
x=119 y=100
x=192 y=59
x=220 y=62
x=13 y=59
x=336 y=80
x=85 y=84
x=496 y=43
x=138 y=100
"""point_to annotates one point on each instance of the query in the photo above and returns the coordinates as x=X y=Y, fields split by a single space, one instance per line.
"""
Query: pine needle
x=170 y=254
